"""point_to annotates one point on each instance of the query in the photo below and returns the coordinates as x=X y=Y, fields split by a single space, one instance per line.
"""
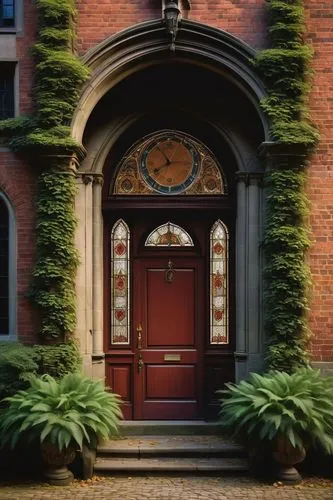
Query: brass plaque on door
x=172 y=357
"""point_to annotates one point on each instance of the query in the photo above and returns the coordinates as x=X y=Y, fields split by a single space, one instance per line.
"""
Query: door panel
x=170 y=381
x=170 y=308
x=167 y=385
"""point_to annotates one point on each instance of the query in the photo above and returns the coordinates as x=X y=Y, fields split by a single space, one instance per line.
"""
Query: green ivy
x=285 y=68
x=58 y=360
x=53 y=287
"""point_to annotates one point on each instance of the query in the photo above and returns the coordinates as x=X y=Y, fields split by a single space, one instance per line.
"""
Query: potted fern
x=284 y=413
x=64 y=415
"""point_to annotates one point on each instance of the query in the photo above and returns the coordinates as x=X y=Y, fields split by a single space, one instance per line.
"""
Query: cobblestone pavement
x=169 y=488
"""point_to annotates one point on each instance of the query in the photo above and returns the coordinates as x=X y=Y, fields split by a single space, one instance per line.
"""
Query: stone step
x=168 y=427
x=171 y=465
x=171 y=446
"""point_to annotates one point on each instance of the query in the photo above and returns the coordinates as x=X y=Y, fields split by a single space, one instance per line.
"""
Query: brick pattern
x=99 y=19
x=26 y=63
x=171 y=488
x=320 y=35
x=17 y=181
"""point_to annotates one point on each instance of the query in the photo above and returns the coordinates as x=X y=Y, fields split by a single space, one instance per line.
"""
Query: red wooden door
x=168 y=324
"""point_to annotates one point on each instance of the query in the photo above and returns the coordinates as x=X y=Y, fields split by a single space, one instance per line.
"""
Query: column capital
x=250 y=177
x=60 y=162
x=283 y=155
x=90 y=178
x=98 y=179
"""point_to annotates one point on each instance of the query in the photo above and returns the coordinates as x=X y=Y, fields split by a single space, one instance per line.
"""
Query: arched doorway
x=169 y=269
x=213 y=101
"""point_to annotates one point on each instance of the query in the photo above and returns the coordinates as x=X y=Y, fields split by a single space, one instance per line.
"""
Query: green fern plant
x=73 y=411
x=298 y=407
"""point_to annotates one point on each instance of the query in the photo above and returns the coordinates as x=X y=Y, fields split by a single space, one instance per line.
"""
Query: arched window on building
x=7 y=271
x=120 y=283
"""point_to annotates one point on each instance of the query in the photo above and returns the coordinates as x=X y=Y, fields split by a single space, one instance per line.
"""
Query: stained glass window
x=169 y=235
x=120 y=290
x=209 y=178
x=219 y=284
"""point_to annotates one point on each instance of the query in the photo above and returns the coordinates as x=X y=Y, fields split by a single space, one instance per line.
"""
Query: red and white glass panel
x=219 y=284
x=169 y=235
x=120 y=290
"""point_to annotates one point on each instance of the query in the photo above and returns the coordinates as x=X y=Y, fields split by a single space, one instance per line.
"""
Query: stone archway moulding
x=111 y=62
x=146 y=44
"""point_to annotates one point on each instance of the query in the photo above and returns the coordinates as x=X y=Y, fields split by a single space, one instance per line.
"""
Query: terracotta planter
x=286 y=456
x=56 y=471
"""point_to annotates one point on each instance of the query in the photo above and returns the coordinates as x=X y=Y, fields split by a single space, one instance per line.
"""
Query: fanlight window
x=140 y=171
x=219 y=256
x=120 y=289
x=169 y=235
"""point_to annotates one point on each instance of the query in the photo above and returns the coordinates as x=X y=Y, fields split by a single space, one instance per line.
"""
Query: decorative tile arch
x=208 y=180
x=120 y=284
x=219 y=262
x=169 y=235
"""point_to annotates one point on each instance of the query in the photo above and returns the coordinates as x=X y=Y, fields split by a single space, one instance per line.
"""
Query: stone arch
x=131 y=54
x=144 y=45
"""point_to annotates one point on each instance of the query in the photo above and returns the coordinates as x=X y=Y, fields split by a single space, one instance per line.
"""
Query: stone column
x=97 y=249
x=83 y=207
x=241 y=243
x=248 y=355
x=254 y=272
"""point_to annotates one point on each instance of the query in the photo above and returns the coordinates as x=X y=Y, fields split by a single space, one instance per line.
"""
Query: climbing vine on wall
x=285 y=68
x=59 y=76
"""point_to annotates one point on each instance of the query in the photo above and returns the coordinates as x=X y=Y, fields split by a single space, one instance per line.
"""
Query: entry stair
x=170 y=447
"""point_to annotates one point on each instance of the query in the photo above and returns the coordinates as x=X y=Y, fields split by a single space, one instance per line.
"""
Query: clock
x=169 y=162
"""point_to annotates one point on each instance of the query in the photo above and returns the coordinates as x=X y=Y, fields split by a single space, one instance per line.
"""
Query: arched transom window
x=168 y=162
x=169 y=235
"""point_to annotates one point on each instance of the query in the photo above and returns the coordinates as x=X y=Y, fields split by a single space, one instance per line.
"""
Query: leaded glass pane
x=169 y=235
x=219 y=317
x=120 y=290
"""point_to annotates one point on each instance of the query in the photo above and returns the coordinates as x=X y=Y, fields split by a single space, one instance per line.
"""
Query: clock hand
x=157 y=169
x=175 y=151
x=165 y=156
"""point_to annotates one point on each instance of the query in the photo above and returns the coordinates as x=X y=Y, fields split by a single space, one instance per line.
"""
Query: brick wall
x=320 y=34
x=99 y=19
x=17 y=181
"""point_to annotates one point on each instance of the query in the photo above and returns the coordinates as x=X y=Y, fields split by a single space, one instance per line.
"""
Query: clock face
x=170 y=163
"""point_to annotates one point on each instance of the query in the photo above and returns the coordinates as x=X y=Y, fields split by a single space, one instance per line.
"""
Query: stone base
x=59 y=476
x=287 y=474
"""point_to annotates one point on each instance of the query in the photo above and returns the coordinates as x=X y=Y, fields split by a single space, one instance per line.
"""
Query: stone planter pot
x=286 y=456
x=56 y=471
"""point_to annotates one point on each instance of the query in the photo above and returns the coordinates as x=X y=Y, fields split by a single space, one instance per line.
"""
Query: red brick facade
x=246 y=19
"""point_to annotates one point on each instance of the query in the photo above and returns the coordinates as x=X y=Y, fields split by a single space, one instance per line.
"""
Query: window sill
x=8 y=338
x=5 y=31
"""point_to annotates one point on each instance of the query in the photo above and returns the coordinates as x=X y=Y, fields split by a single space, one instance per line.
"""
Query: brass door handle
x=139 y=336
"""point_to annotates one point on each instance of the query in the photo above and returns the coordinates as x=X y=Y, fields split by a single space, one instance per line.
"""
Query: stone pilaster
x=97 y=251
x=248 y=355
